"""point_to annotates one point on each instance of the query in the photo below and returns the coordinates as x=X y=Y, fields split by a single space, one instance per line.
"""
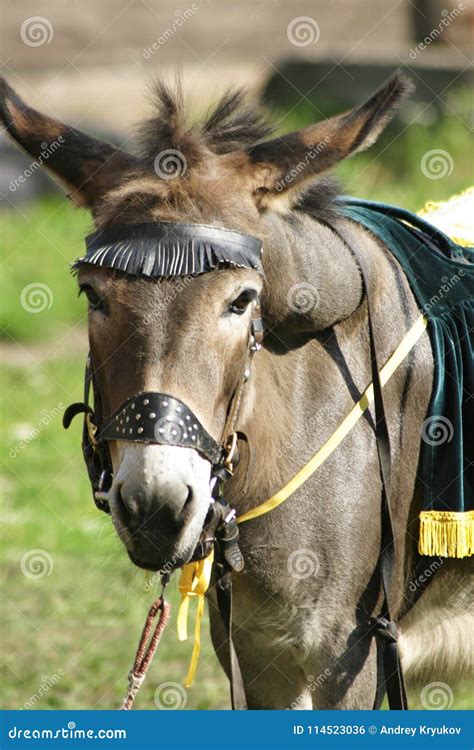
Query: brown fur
x=86 y=167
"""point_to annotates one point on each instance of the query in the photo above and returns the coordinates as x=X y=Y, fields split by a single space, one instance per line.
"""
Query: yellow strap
x=394 y=361
x=194 y=581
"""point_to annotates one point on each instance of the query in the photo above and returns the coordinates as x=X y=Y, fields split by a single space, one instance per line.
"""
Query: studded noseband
x=160 y=418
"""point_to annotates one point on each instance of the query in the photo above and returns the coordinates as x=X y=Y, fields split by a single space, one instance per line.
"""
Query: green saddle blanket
x=441 y=275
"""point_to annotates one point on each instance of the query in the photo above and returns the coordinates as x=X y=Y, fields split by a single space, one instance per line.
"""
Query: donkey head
x=185 y=336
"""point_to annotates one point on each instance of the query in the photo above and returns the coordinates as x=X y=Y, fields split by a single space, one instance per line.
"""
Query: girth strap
x=383 y=627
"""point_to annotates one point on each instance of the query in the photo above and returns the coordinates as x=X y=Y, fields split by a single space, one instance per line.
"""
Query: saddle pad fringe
x=446 y=533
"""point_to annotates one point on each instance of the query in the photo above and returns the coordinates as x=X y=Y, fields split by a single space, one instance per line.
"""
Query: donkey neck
x=315 y=362
x=312 y=279
x=313 y=283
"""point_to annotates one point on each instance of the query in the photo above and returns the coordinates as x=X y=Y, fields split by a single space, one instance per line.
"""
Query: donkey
x=311 y=579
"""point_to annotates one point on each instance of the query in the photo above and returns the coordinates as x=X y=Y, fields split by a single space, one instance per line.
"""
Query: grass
x=79 y=625
x=82 y=621
x=40 y=243
x=391 y=170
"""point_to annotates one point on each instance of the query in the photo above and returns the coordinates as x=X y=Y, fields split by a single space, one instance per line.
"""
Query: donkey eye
x=240 y=304
x=95 y=302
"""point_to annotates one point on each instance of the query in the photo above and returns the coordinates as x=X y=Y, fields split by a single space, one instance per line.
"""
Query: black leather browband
x=166 y=248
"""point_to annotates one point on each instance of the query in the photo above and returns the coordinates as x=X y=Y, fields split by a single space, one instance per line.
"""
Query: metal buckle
x=230 y=452
x=91 y=431
x=256 y=329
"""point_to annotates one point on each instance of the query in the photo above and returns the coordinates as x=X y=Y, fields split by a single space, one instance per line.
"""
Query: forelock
x=232 y=123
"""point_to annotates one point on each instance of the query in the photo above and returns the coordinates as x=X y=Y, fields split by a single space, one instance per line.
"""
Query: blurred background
x=72 y=607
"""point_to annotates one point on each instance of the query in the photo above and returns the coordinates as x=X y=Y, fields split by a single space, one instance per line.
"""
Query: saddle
x=440 y=272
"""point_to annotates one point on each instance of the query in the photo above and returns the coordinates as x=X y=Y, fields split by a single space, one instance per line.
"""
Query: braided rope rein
x=146 y=653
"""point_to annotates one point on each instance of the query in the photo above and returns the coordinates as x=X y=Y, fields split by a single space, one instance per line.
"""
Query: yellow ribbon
x=391 y=365
x=195 y=577
x=194 y=581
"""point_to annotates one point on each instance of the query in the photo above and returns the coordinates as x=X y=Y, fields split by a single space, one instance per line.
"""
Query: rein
x=146 y=650
x=168 y=249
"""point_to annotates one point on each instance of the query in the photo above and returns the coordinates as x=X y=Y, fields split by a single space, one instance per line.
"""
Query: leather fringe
x=446 y=533
x=145 y=257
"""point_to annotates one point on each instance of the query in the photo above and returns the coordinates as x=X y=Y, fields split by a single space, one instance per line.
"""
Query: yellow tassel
x=194 y=581
x=446 y=533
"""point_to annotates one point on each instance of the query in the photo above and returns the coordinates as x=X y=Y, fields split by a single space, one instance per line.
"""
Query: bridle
x=165 y=250
x=156 y=251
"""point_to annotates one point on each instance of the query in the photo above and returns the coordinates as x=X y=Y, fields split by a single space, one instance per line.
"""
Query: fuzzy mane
x=232 y=123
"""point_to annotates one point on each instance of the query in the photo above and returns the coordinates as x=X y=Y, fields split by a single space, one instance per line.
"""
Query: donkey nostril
x=168 y=505
x=126 y=504
x=186 y=509
x=119 y=499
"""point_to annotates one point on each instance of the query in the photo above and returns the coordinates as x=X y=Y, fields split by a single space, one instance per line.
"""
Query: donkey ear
x=283 y=166
x=85 y=166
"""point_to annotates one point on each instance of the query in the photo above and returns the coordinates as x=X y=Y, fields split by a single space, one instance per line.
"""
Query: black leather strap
x=383 y=627
x=73 y=410
x=224 y=602
x=163 y=419
x=166 y=248
x=96 y=455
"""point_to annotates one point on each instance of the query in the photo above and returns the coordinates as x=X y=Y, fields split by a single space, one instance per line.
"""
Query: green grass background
x=84 y=618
